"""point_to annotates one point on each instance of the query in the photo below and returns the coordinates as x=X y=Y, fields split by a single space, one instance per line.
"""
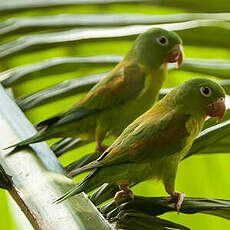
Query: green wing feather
x=147 y=138
x=124 y=83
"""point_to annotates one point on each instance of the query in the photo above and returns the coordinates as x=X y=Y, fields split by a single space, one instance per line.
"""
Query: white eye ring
x=162 y=40
x=205 y=91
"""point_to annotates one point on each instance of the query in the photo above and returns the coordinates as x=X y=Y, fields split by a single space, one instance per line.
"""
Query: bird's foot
x=125 y=190
x=179 y=197
x=100 y=146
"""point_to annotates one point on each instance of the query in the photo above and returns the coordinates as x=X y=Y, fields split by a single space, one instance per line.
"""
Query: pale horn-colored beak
x=176 y=54
x=217 y=109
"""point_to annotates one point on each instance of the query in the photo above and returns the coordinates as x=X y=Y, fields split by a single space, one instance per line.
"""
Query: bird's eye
x=163 y=41
x=205 y=91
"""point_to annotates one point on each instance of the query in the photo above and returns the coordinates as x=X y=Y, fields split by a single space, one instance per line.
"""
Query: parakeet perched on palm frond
x=152 y=146
x=130 y=89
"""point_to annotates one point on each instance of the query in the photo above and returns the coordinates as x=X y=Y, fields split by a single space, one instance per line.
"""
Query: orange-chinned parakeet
x=152 y=146
x=129 y=90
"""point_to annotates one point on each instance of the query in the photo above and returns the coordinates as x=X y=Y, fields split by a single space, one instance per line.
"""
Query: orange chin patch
x=205 y=116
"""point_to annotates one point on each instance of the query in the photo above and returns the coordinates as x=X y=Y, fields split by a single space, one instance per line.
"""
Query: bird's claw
x=125 y=190
x=179 y=198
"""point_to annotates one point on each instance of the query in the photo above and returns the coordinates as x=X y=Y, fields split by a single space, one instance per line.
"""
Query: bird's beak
x=176 y=54
x=217 y=109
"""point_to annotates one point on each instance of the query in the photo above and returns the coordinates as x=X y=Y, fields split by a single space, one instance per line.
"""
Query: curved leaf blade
x=64 y=89
x=209 y=136
x=218 y=68
x=66 y=144
x=18 y=6
x=213 y=67
x=65 y=21
x=187 y=30
x=53 y=66
x=134 y=221
x=155 y=206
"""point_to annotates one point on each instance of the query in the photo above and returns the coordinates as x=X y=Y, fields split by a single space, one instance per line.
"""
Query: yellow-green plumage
x=129 y=90
x=153 y=145
x=128 y=112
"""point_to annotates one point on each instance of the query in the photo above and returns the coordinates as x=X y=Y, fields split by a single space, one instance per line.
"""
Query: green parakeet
x=130 y=89
x=152 y=146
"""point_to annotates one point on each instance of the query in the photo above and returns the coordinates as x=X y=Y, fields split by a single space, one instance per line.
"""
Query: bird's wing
x=149 y=137
x=124 y=83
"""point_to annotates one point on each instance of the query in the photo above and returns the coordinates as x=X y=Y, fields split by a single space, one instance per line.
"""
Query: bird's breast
x=154 y=80
x=194 y=126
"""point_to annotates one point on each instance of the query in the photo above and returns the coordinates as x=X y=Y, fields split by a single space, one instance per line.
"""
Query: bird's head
x=202 y=97
x=157 y=46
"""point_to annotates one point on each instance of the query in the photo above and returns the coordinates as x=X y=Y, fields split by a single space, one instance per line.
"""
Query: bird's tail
x=89 y=166
x=40 y=136
x=87 y=185
x=85 y=168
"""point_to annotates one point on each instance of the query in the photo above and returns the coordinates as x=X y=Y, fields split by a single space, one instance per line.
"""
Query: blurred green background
x=198 y=176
